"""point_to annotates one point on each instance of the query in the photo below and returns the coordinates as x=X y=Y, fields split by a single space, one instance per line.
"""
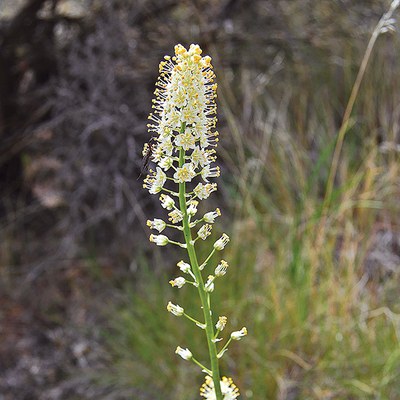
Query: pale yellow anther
x=196 y=58
x=195 y=48
x=179 y=49
x=207 y=60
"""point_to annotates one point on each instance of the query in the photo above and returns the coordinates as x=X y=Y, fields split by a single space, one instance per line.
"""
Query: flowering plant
x=183 y=149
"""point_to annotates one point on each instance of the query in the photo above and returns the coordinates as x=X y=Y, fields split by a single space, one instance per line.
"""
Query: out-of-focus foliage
x=83 y=91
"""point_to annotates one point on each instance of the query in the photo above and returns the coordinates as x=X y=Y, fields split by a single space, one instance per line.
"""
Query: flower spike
x=182 y=146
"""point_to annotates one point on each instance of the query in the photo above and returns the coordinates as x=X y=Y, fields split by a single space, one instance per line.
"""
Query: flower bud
x=210 y=216
x=237 y=335
x=157 y=224
x=221 y=268
x=175 y=309
x=209 y=286
x=178 y=282
x=159 y=240
x=186 y=354
x=221 y=242
x=192 y=209
x=220 y=325
x=204 y=231
x=184 y=267
x=167 y=202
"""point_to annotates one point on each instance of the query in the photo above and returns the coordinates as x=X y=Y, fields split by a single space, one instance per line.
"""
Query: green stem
x=202 y=266
x=226 y=345
x=201 y=366
x=202 y=293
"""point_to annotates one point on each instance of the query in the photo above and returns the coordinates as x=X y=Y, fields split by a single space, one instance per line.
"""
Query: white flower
x=165 y=147
x=208 y=138
x=175 y=216
x=167 y=202
x=199 y=157
x=210 y=172
x=155 y=181
x=237 y=335
x=159 y=240
x=228 y=389
x=166 y=163
x=175 y=309
x=184 y=267
x=205 y=231
x=157 y=224
x=178 y=282
x=209 y=286
x=203 y=191
x=210 y=216
x=192 y=209
x=184 y=353
x=185 y=140
x=220 y=325
x=221 y=242
x=221 y=268
x=185 y=173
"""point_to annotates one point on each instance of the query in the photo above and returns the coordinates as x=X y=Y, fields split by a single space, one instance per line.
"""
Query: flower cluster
x=184 y=117
x=183 y=148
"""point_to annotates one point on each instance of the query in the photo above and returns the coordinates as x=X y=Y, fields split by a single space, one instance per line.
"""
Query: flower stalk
x=204 y=296
x=183 y=150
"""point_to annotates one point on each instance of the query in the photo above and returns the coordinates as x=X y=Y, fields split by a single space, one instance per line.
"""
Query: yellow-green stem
x=202 y=292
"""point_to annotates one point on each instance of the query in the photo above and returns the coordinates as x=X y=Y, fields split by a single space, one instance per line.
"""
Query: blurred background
x=314 y=272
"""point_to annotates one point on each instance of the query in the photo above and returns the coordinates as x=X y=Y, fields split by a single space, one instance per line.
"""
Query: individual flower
x=210 y=172
x=165 y=148
x=178 y=282
x=203 y=191
x=184 y=267
x=221 y=242
x=166 y=163
x=159 y=240
x=237 y=335
x=175 y=216
x=175 y=309
x=220 y=325
x=209 y=285
x=210 y=216
x=192 y=209
x=205 y=231
x=199 y=157
x=185 y=173
x=186 y=354
x=155 y=181
x=185 y=140
x=167 y=202
x=228 y=388
x=157 y=224
x=221 y=268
